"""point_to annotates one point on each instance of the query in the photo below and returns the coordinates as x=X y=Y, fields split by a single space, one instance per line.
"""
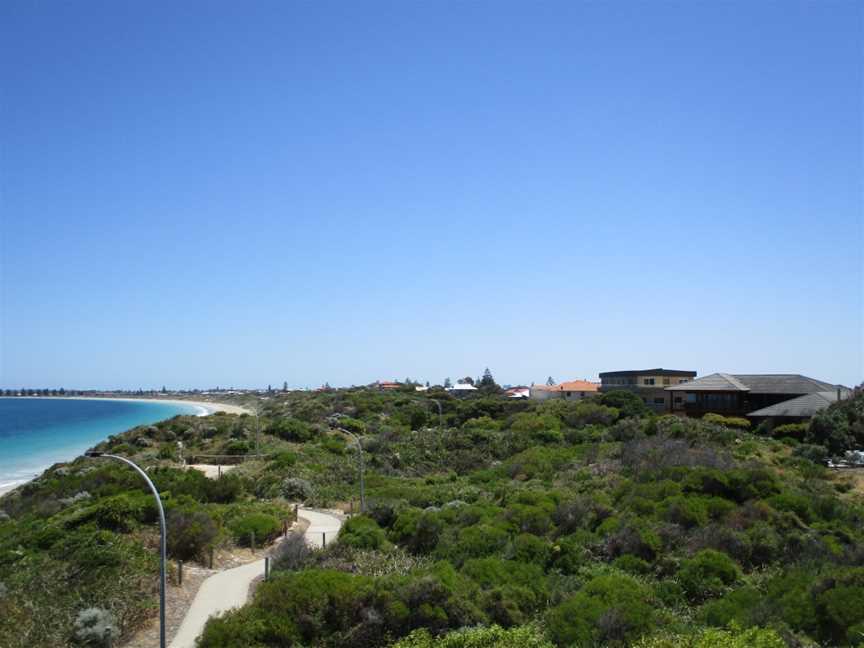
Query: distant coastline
x=205 y=408
x=208 y=406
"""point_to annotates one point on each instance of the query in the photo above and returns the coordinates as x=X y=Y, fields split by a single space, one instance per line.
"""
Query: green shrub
x=686 y=511
x=477 y=541
x=727 y=421
x=797 y=431
x=265 y=528
x=334 y=444
x=236 y=447
x=362 y=532
x=610 y=610
x=190 y=533
x=708 y=574
x=544 y=428
x=283 y=460
x=416 y=530
x=627 y=403
x=529 y=636
x=292 y=429
x=119 y=513
x=632 y=564
x=529 y=548
x=733 y=637
x=815 y=453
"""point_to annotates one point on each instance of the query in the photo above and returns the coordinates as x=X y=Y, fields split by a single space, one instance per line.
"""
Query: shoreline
x=207 y=407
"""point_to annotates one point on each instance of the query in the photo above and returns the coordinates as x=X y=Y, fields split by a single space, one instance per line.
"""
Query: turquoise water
x=38 y=432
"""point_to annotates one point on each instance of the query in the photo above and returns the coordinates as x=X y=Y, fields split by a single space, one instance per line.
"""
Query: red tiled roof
x=577 y=385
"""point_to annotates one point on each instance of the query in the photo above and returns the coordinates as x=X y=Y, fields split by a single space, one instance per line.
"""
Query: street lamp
x=362 y=469
x=162 y=544
x=440 y=411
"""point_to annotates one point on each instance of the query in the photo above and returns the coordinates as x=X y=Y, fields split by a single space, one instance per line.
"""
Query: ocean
x=38 y=432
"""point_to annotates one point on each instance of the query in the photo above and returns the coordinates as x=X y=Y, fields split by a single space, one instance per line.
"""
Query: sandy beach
x=206 y=408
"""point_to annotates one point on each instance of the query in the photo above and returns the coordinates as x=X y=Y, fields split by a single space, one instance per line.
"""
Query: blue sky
x=222 y=193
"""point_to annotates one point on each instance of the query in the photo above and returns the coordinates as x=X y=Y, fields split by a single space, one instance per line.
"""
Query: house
x=742 y=394
x=462 y=389
x=649 y=384
x=569 y=390
x=541 y=392
x=517 y=392
x=798 y=409
x=386 y=385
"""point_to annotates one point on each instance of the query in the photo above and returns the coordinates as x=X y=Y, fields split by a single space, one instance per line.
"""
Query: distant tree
x=285 y=386
x=447 y=383
x=550 y=381
x=427 y=384
x=163 y=389
x=487 y=380
x=269 y=389
x=467 y=380
x=62 y=391
x=627 y=403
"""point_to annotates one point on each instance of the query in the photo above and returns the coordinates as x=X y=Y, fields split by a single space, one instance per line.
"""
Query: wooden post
x=267 y=568
x=252 y=540
x=323 y=539
x=179 y=572
x=219 y=469
x=211 y=557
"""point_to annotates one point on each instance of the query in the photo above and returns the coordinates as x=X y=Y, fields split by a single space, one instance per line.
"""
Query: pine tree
x=550 y=381
x=447 y=383
x=487 y=380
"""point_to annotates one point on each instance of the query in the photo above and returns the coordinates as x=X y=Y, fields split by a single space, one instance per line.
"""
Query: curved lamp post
x=362 y=469
x=162 y=543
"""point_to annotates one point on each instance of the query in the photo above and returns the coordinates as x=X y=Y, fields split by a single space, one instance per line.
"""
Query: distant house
x=517 y=392
x=569 y=390
x=541 y=392
x=649 y=384
x=386 y=385
x=745 y=394
x=461 y=389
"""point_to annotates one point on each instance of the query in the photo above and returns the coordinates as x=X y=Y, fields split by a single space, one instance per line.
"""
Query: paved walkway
x=230 y=588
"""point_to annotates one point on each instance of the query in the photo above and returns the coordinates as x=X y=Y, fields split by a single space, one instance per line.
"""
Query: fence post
x=211 y=557
x=267 y=568
x=252 y=540
x=219 y=468
x=323 y=539
x=179 y=572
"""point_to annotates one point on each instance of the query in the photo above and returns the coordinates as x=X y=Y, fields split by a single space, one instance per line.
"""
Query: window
x=682 y=380
x=691 y=398
x=648 y=381
x=677 y=399
x=659 y=401
x=666 y=381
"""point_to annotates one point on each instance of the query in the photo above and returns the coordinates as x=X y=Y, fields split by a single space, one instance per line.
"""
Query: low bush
x=609 y=610
x=528 y=636
x=734 y=422
x=362 y=532
x=292 y=429
x=261 y=526
x=708 y=574
x=190 y=533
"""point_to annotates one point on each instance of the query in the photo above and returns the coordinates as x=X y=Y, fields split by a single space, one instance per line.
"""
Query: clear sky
x=240 y=193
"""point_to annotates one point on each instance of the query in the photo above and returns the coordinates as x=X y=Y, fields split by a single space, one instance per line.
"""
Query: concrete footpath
x=230 y=588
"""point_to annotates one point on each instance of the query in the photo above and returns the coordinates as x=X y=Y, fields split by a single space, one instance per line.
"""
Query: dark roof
x=756 y=384
x=802 y=406
x=648 y=372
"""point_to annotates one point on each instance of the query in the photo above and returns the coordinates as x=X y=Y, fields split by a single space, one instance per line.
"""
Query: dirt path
x=230 y=589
